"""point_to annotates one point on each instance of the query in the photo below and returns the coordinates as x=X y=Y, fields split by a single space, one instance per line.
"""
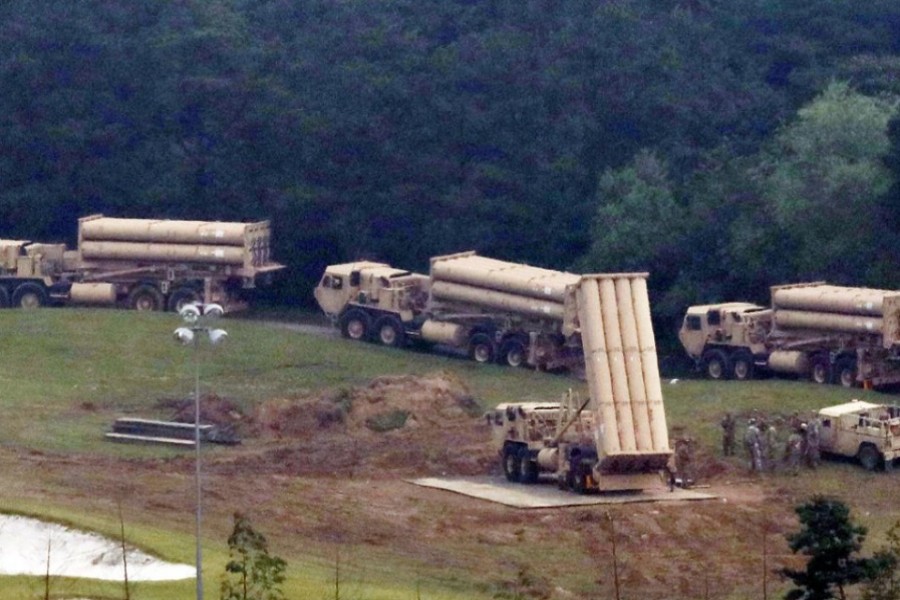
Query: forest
x=722 y=146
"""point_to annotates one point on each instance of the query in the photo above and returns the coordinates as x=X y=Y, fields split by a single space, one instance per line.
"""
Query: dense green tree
x=823 y=180
x=830 y=541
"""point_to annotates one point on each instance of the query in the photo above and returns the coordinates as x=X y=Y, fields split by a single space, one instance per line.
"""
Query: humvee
x=869 y=432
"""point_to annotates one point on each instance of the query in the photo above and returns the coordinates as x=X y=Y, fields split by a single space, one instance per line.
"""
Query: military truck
x=829 y=334
x=494 y=310
x=144 y=264
x=616 y=439
x=869 y=432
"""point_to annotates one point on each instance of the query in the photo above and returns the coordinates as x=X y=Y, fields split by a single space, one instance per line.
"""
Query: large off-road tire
x=481 y=348
x=355 y=325
x=716 y=364
x=512 y=464
x=868 y=457
x=742 y=367
x=845 y=372
x=513 y=353
x=388 y=331
x=528 y=469
x=820 y=370
x=4 y=298
x=182 y=297
x=145 y=298
x=28 y=296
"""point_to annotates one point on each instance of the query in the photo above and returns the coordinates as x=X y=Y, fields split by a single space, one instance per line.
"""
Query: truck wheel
x=182 y=297
x=481 y=348
x=512 y=353
x=4 y=298
x=389 y=331
x=29 y=295
x=145 y=298
x=820 y=372
x=355 y=325
x=512 y=464
x=716 y=364
x=528 y=469
x=845 y=372
x=868 y=457
x=742 y=366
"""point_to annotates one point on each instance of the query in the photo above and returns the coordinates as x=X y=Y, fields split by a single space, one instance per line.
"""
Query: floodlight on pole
x=196 y=318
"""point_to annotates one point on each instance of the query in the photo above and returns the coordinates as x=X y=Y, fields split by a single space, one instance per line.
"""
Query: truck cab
x=862 y=430
x=725 y=339
x=371 y=299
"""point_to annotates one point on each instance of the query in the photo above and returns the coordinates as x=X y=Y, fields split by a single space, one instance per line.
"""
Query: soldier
x=762 y=426
x=793 y=451
x=728 y=424
x=770 y=434
x=812 y=444
x=684 y=460
x=794 y=421
x=752 y=445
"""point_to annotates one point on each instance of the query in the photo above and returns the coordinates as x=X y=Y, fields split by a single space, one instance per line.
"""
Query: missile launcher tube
x=647 y=343
x=136 y=252
x=467 y=294
x=510 y=278
x=164 y=231
x=831 y=299
x=826 y=322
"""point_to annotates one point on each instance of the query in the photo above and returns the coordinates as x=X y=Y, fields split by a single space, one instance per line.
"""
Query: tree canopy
x=526 y=130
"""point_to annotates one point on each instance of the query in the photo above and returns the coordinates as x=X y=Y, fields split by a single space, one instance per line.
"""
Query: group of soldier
x=761 y=443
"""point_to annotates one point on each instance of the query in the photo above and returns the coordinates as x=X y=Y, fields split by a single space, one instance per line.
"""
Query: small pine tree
x=251 y=573
x=884 y=576
x=830 y=540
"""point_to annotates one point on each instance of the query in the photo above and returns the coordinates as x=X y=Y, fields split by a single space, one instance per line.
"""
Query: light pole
x=197 y=318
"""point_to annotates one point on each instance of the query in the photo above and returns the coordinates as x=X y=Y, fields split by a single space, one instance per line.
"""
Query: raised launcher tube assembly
x=628 y=444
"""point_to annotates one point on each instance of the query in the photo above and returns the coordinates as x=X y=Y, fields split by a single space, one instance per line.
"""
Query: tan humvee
x=869 y=432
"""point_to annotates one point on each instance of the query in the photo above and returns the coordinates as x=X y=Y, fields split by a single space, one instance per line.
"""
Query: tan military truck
x=869 y=432
x=616 y=439
x=144 y=264
x=495 y=311
x=829 y=334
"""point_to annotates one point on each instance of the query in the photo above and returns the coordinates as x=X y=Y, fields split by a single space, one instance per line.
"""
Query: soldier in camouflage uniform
x=684 y=460
x=728 y=425
x=753 y=446
x=793 y=451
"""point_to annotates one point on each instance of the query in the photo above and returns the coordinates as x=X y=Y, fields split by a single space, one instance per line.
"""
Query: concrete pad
x=545 y=494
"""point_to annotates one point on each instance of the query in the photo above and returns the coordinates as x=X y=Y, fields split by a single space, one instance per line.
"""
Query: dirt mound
x=385 y=404
x=403 y=425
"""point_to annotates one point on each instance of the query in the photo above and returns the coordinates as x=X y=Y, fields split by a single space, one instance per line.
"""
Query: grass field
x=66 y=374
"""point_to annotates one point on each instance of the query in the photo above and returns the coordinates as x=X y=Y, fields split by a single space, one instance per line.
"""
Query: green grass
x=66 y=374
